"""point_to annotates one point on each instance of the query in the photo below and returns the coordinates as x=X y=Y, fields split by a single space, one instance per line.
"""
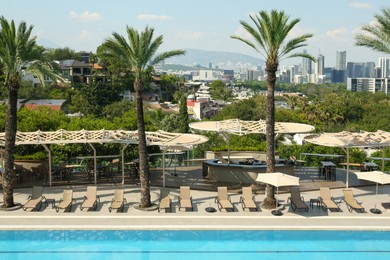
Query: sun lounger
x=326 y=200
x=91 y=199
x=66 y=201
x=223 y=200
x=118 y=202
x=185 y=199
x=165 y=200
x=296 y=200
x=36 y=199
x=352 y=203
x=247 y=199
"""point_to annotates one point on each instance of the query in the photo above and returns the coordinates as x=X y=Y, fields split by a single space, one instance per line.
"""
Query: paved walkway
x=131 y=218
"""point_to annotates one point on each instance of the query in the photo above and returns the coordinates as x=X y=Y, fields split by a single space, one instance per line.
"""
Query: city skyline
x=205 y=25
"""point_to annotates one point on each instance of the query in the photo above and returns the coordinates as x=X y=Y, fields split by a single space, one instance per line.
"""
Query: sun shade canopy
x=346 y=139
x=104 y=136
x=241 y=127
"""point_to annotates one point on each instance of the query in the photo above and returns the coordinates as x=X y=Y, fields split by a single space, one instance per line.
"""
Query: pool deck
x=133 y=219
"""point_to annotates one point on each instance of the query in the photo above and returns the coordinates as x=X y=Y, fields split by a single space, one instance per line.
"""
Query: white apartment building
x=372 y=85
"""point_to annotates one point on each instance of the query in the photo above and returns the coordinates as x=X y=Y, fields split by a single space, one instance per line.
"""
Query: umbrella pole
x=375 y=210
x=347 y=182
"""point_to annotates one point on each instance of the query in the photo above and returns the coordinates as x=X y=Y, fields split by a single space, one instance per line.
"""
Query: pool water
x=166 y=244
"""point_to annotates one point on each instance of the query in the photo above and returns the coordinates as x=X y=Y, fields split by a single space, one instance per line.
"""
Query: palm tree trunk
x=143 y=161
x=269 y=201
x=10 y=137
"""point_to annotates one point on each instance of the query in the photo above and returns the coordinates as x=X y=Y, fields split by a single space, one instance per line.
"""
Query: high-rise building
x=306 y=65
x=320 y=65
x=341 y=60
x=385 y=69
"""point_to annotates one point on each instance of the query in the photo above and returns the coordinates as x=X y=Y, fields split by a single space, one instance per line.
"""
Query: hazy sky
x=200 y=24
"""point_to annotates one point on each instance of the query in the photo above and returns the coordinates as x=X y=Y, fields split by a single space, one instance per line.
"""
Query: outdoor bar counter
x=243 y=174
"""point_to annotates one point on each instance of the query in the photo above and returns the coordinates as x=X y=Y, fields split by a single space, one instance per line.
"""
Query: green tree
x=269 y=38
x=17 y=55
x=183 y=116
x=376 y=36
x=218 y=90
x=61 y=54
x=138 y=54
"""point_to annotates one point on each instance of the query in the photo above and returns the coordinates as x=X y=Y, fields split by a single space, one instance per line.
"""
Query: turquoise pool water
x=167 y=244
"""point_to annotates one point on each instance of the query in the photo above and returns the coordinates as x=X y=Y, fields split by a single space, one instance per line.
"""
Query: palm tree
x=138 y=53
x=270 y=40
x=376 y=36
x=18 y=54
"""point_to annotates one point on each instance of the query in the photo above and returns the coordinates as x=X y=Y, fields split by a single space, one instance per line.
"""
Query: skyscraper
x=320 y=64
x=306 y=65
x=385 y=69
x=341 y=60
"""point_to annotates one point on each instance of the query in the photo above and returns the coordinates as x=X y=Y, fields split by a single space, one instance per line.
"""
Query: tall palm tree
x=270 y=39
x=376 y=36
x=138 y=53
x=18 y=54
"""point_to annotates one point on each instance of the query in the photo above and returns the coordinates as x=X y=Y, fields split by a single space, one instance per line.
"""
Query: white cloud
x=358 y=5
x=337 y=33
x=151 y=17
x=86 y=16
x=189 y=35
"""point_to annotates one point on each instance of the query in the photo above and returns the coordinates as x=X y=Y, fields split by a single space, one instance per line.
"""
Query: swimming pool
x=166 y=244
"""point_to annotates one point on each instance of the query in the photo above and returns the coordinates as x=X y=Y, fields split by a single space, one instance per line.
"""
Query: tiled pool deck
x=131 y=218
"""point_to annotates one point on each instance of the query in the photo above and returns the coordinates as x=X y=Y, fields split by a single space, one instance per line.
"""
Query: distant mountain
x=224 y=60
x=48 y=43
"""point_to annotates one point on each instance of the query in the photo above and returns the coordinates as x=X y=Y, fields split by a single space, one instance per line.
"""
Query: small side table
x=315 y=201
x=50 y=201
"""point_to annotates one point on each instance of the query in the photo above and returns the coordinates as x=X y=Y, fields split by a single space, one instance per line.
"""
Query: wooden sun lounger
x=165 y=200
x=352 y=203
x=91 y=199
x=118 y=202
x=185 y=198
x=247 y=199
x=36 y=199
x=296 y=200
x=223 y=200
x=326 y=200
x=66 y=201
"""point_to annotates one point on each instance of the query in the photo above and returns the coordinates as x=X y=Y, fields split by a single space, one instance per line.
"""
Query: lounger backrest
x=164 y=194
x=348 y=195
x=118 y=195
x=222 y=193
x=185 y=192
x=91 y=192
x=295 y=193
x=247 y=193
x=67 y=196
x=37 y=192
x=325 y=193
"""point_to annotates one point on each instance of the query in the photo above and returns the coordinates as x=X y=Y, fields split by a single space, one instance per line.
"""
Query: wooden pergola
x=90 y=137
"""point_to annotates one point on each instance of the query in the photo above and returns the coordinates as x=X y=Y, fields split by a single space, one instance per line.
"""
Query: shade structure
x=90 y=137
x=242 y=127
x=277 y=179
x=347 y=140
x=379 y=178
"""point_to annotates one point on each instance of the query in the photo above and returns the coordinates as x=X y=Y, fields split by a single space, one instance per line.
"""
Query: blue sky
x=207 y=25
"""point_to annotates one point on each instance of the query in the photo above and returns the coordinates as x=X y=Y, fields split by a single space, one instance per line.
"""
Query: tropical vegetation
x=270 y=39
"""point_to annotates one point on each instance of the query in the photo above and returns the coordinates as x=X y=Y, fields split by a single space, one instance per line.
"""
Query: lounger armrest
x=241 y=199
x=216 y=199
x=288 y=199
x=229 y=199
x=98 y=199
x=124 y=200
